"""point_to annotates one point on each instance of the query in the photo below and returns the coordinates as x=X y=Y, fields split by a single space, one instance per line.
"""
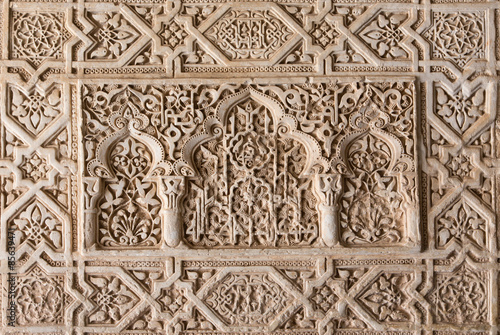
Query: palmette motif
x=237 y=167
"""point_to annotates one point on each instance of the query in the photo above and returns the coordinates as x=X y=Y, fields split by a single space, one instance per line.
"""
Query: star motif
x=38 y=36
x=458 y=37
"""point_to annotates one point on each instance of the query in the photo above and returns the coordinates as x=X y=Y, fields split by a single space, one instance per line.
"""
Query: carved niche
x=253 y=184
x=377 y=197
x=125 y=202
x=258 y=167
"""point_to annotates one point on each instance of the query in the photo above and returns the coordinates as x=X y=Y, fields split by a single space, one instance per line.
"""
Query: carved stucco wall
x=249 y=167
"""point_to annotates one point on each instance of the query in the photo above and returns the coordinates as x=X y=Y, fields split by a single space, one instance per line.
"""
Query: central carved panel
x=255 y=178
x=235 y=166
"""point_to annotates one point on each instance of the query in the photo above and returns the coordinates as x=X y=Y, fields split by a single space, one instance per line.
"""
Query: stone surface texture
x=249 y=167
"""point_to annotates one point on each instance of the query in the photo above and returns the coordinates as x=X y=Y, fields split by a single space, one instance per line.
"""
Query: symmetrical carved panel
x=249 y=167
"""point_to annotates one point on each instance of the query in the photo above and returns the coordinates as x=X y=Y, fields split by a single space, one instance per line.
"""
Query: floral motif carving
x=197 y=56
x=38 y=36
x=460 y=165
x=172 y=300
x=199 y=13
x=298 y=55
x=324 y=296
x=374 y=213
x=35 y=110
x=386 y=298
x=249 y=34
x=457 y=36
x=348 y=55
x=148 y=12
x=35 y=167
x=112 y=298
x=173 y=35
x=379 y=187
x=129 y=205
x=460 y=112
x=36 y=224
x=349 y=12
x=40 y=299
x=463 y=224
x=113 y=35
x=385 y=36
x=147 y=57
x=460 y=297
x=254 y=203
x=325 y=34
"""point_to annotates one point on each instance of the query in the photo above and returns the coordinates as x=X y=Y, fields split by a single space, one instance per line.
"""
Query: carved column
x=92 y=186
x=173 y=189
x=329 y=188
x=409 y=190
